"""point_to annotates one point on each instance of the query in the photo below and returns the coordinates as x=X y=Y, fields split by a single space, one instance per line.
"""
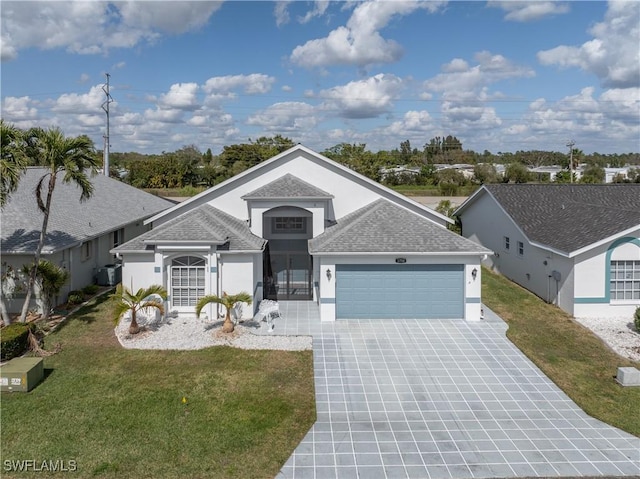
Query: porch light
x=474 y=273
x=329 y=274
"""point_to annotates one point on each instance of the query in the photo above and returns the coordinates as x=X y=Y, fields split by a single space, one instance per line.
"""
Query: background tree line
x=190 y=167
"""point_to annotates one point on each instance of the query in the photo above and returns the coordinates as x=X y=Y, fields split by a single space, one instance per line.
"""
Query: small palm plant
x=228 y=301
x=125 y=300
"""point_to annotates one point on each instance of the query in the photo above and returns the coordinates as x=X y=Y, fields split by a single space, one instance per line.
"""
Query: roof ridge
x=234 y=224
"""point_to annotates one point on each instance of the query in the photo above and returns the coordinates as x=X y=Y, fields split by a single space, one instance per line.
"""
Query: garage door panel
x=399 y=291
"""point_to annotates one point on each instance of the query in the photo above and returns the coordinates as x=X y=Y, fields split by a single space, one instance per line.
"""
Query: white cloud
x=285 y=116
x=162 y=115
x=359 y=42
x=74 y=103
x=612 y=55
x=182 y=96
x=461 y=80
x=412 y=122
x=589 y=120
x=319 y=7
x=170 y=17
x=20 y=109
x=281 y=12
x=364 y=98
x=93 y=27
x=253 y=84
x=526 y=11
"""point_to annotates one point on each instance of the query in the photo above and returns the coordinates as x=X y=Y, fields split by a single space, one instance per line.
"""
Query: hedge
x=13 y=340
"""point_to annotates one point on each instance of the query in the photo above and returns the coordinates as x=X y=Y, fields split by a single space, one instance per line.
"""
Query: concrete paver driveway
x=441 y=399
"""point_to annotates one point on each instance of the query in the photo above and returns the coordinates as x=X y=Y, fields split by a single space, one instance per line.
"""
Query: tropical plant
x=50 y=279
x=70 y=158
x=13 y=159
x=228 y=301
x=10 y=282
x=125 y=301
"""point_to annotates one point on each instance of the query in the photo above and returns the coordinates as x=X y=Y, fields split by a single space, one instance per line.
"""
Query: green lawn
x=119 y=413
x=573 y=357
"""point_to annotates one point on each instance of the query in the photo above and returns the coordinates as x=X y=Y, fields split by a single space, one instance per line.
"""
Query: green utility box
x=21 y=374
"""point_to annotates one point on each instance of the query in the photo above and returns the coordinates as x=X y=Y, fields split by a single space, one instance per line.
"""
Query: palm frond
x=202 y=302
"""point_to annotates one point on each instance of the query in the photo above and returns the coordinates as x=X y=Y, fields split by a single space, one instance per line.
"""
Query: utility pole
x=105 y=107
x=570 y=144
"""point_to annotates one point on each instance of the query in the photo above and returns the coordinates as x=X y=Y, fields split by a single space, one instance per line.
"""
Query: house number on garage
x=401 y=260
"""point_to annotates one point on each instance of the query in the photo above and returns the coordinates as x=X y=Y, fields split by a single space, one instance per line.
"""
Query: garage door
x=399 y=291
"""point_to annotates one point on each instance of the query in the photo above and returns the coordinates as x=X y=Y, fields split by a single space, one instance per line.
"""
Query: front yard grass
x=119 y=413
x=573 y=357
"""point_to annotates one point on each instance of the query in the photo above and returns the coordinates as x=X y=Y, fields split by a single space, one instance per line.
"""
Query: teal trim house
x=577 y=246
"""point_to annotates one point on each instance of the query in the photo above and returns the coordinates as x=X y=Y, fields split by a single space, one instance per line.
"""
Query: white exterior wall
x=592 y=272
x=328 y=286
x=484 y=222
x=138 y=272
x=318 y=210
x=350 y=193
x=583 y=289
x=237 y=275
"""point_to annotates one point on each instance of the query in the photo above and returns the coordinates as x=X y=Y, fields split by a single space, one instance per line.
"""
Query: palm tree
x=69 y=158
x=13 y=159
x=228 y=301
x=125 y=300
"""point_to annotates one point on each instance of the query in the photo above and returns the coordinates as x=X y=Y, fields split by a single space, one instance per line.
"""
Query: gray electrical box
x=110 y=275
x=21 y=374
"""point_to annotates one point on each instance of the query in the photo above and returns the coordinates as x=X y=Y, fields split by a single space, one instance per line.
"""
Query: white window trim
x=634 y=279
x=188 y=286
x=520 y=248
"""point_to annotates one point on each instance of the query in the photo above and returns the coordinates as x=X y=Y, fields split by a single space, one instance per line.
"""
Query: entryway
x=288 y=275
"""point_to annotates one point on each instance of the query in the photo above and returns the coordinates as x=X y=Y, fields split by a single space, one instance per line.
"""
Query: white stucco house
x=80 y=235
x=300 y=226
x=577 y=246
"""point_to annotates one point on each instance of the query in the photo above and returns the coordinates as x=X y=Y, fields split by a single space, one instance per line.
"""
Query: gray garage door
x=399 y=291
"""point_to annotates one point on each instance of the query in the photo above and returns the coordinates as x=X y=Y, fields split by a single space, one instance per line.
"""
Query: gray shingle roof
x=204 y=224
x=382 y=227
x=288 y=186
x=113 y=205
x=570 y=217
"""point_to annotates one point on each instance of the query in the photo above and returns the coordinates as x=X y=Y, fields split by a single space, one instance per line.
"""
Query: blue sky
x=500 y=76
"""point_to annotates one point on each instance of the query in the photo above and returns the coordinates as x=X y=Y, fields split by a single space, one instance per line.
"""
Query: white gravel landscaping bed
x=199 y=333
x=618 y=333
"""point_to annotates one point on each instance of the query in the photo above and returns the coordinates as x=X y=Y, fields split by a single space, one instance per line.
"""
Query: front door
x=289 y=275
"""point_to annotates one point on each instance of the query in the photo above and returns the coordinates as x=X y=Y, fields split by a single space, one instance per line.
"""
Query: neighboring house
x=576 y=246
x=79 y=235
x=399 y=171
x=612 y=173
x=300 y=226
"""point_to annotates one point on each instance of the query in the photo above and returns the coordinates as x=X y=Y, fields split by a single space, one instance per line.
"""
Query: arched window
x=187 y=280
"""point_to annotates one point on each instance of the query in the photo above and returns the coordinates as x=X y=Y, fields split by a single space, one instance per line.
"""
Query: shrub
x=75 y=297
x=14 y=340
x=90 y=289
x=636 y=319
